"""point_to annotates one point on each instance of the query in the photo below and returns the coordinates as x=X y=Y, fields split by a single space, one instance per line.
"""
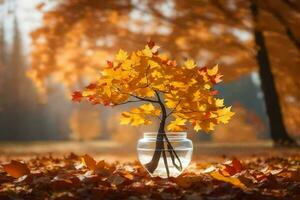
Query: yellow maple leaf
x=126 y=65
x=171 y=103
x=121 y=55
x=152 y=64
x=201 y=107
x=145 y=92
x=233 y=180
x=219 y=102
x=125 y=118
x=135 y=119
x=197 y=95
x=147 y=51
x=207 y=86
x=177 y=124
x=224 y=115
x=138 y=120
x=190 y=64
x=213 y=71
x=107 y=91
x=135 y=59
x=147 y=108
x=196 y=126
x=87 y=93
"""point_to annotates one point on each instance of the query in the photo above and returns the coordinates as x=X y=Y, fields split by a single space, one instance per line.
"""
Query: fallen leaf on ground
x=88 y=161
x=16 y=169
x=233 y=180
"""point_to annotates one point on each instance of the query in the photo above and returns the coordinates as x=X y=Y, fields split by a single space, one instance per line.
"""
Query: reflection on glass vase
x=165 y=154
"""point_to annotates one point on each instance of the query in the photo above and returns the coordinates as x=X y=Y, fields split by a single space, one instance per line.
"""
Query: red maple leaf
x=207 y=115
x=216 y=79
x=150 y=44
x=109 y=63
x=202 y=71
x=77 y=96
x=91 y=86
x=214 y=92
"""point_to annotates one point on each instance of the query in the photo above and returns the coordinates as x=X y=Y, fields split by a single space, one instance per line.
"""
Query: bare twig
x=119 y=104
x=158 y=97
x=165 y=161
x=170 y=147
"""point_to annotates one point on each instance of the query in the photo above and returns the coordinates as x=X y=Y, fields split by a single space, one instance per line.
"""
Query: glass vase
x=165 y=154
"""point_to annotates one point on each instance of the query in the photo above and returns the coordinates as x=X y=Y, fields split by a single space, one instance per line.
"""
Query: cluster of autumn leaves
x=82 y=177
x=151 y=78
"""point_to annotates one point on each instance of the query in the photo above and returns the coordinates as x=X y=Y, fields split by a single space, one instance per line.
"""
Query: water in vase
x=185 y=155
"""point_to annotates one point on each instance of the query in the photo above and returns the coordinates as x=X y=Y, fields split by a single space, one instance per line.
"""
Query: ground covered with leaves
x=82 y=177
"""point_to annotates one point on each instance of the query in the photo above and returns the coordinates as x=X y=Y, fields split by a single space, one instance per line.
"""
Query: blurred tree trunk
x=1 y=51
x=277 y=128
x=278 y=12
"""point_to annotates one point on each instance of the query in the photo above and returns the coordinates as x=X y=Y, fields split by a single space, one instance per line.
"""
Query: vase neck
x=170 y=135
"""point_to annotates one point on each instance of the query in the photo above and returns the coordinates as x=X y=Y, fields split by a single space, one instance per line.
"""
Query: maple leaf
x=231 y=167
x=196 y=126
x=125 y=118
x=233 y=180
x=224 y=114
x=151 y=43
x=219 y=102
x=91 y=86
x=88 y=161
x=237 y=165
x=153 y=64
x=214 y=92
x=110 y=64
x=149 y=109
x=16 y=169
x=216 y=79
x=213 y=71
x=177 y=125
x=202 y=71
x=147 y=51
x=135 y=118
x=190 y=64
x=121 y=55
x=77 y=96
x=170 y=103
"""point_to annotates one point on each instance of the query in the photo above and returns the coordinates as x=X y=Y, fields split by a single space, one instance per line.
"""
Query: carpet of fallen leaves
x=82 y=177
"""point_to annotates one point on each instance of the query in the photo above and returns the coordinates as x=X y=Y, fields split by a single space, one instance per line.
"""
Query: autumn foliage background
x=50 y=48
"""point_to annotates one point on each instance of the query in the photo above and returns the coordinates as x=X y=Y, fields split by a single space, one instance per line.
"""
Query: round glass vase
x=165 y=154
